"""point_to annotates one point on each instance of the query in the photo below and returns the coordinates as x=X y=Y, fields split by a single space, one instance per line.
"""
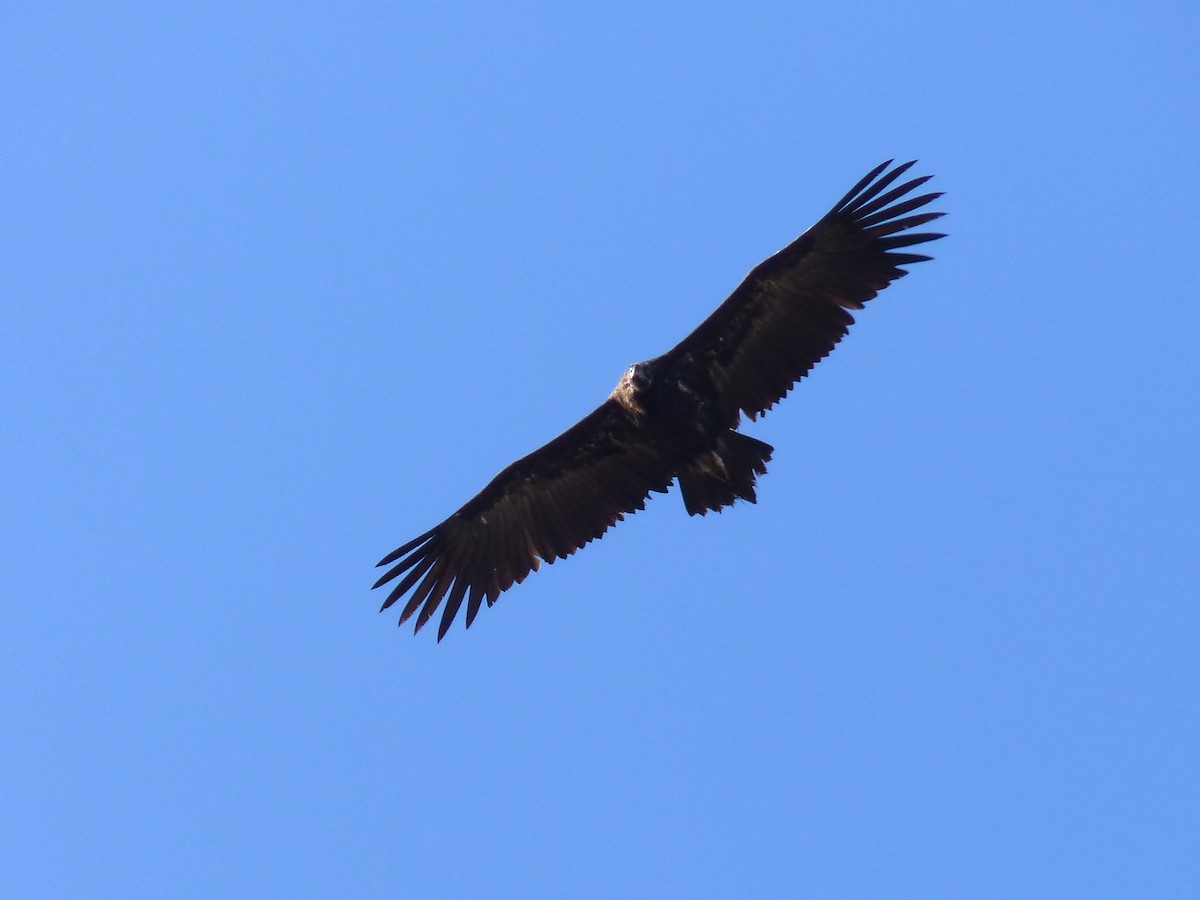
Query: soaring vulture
x=673 y=417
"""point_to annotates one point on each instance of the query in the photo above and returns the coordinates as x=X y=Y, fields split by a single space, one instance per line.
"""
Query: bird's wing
x=790 y=311
x=542 y=507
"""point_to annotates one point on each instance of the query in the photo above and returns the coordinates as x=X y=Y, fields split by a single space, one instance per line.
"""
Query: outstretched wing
x=790 y=311
x=542 y=507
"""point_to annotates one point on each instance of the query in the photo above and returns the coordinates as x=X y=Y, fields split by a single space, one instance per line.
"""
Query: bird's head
x=641 y=375
x=632 y=387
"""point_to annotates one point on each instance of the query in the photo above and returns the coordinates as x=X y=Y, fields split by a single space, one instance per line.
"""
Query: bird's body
x=676 y=412
x=673 y=417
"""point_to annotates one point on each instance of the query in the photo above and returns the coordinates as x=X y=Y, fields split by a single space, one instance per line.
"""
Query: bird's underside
x=672 y=418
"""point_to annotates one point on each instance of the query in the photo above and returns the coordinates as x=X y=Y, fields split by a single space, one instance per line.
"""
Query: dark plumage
x=672 y=417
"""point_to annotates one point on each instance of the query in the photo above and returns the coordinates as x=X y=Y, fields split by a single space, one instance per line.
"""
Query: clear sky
x=285 y=284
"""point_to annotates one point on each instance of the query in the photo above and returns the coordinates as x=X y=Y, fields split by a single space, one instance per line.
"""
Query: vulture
x=673 y=418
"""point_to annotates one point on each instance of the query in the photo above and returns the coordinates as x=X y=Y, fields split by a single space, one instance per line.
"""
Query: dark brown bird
x=673 y=417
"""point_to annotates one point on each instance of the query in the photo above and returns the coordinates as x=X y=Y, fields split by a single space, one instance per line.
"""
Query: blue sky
x=285 y=284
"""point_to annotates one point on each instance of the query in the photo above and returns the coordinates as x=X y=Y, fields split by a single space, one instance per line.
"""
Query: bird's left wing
x=542 y=507
x=790 y=311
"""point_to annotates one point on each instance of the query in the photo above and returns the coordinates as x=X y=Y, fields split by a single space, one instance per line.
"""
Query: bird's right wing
x=542 y=507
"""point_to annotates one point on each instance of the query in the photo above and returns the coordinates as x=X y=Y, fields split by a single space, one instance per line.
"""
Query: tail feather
x=724 y=475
